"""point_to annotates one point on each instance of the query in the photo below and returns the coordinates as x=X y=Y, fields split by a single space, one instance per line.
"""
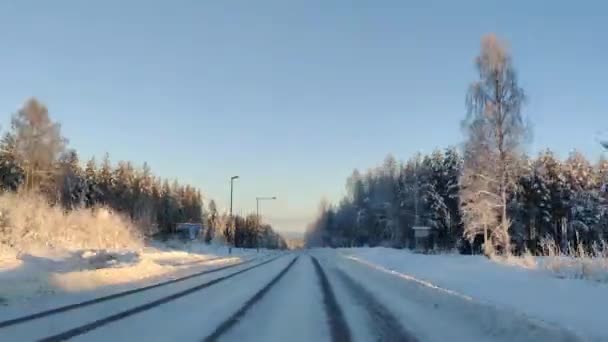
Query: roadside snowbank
x=578 y=305
x=41 y=273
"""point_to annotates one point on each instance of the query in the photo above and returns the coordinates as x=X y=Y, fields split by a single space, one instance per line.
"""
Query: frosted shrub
x=576 y=261
x=526 y=260
x=28 y=221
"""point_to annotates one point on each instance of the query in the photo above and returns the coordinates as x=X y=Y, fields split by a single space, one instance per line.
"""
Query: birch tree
x=38 y=142
x=495 y=130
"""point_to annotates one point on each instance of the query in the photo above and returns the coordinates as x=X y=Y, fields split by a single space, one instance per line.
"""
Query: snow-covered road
x=317 y=295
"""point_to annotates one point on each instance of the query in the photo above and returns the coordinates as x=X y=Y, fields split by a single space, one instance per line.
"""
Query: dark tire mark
x=385 y=325
x=234 y=319
x=63 y=336
x=70 y=307
x=337 y=325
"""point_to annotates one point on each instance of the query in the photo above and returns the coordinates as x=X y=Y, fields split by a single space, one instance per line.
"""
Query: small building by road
x=188 y=231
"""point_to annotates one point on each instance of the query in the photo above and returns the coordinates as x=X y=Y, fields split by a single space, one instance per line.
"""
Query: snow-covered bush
x=525 y=260
x=575 y=262
x=28 y=221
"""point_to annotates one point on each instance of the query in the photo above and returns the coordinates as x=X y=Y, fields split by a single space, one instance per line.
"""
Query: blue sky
x=293 y=95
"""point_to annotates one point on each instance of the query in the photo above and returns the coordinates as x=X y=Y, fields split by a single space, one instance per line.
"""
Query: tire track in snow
x=61 y=309
x=337 y=325
x=234 y=319
x=384 y=324
x=83 y=329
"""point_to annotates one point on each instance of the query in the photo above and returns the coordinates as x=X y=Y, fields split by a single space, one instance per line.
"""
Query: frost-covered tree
x=440 y=193
x=38 y=142
x=212 y=221
x=93 y=190
x=450 y=190
x=71 y=181
x=123 y=190
x=105 y=180
x=565 y=201
x=11 y=173
x=495 y=129
x=583 y=195
x=143 y=209
x=168 y=207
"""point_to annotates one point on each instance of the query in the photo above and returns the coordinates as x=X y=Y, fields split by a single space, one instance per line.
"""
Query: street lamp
x=231 y=191
x=257 y=208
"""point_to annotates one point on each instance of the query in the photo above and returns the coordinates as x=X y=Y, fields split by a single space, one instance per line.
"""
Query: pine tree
x=584 y=198
x=212 y=222
x=167 y=208
x=93 y=190
x=105 y=181
x=143 y=206
x=11 y=173
x=156 y=200
x=122 y=189
x=72 y=184
x=451 y=171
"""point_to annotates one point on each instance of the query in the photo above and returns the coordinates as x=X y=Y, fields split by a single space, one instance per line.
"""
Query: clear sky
x=293 y=95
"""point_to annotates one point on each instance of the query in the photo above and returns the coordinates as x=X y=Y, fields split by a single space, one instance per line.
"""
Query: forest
x=486 y=195
x=36 y=158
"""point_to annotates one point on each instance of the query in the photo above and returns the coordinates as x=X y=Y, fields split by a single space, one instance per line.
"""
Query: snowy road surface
x=317 y=295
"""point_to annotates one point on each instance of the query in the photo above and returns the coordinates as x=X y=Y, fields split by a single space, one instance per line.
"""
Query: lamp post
x=231 y=193
x=257 y=214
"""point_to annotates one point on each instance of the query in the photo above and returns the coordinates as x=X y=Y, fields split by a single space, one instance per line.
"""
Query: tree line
x=487 y=196
x=34 y=156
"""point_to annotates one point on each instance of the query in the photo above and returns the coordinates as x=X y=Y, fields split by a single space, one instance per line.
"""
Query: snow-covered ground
x=317 y=295
x=575 y=304
x=293 y=311
x=47 y=274
x=195 y=316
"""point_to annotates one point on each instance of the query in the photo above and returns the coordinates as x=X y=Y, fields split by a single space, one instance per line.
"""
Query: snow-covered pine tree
x=212 y=222
x=584 y=199
x=105 y=181
x=144 y=209
x=451 y=171
x=554 y=202
x=167 y=208
x=11 y=173
x=93 y=190
x=122 y=189
x=72 y=182
x=435 y=194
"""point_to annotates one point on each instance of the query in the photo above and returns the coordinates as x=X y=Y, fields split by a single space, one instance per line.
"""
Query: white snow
x=434 y=298
x=575 y=304
x=291 y=311
x=41 y=275
x=55 y=324
x=195 y=316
